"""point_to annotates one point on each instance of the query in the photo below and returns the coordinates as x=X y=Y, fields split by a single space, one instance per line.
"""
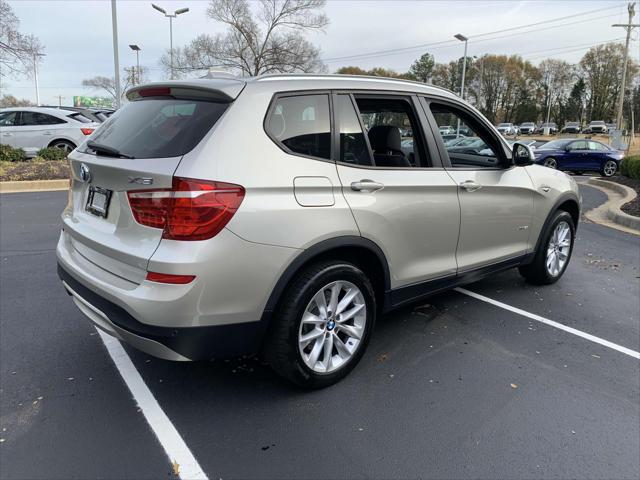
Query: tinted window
x=580 y=145
x=353 y=145
x=392 y=128
x=37 y=118
x=302 y=123
x=159 y=127
x=8 y=119
x=598 y=146
x=478 y=149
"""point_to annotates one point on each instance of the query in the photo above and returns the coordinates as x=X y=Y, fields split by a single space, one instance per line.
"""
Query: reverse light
x=87 y=131
x=190 y=210
x=169 y=278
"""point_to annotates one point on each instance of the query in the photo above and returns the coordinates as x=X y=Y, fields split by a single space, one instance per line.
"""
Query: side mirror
x=522 y=155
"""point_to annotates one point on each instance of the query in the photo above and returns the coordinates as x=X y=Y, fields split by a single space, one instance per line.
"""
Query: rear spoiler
x=218 y=89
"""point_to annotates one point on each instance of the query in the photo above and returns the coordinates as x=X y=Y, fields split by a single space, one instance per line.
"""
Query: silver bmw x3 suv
x=281 y=214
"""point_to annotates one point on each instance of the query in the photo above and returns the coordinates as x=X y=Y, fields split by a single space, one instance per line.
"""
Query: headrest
x=385 y=137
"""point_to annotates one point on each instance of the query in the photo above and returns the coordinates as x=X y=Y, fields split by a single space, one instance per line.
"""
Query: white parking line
x=546 y=321
x=171 y=441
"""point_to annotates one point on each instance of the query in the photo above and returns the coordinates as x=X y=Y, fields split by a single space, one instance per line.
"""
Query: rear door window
x=302 y=124
x=37 y=118
x=158 y=127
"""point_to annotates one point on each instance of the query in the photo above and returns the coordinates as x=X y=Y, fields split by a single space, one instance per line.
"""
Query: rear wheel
x=551 y=163
x=323 y=325
x=554 y=251
x=609 y=168
x=64 y=145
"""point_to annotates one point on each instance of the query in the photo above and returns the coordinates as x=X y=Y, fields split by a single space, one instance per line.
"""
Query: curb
x=621 y=195
x=34 y=186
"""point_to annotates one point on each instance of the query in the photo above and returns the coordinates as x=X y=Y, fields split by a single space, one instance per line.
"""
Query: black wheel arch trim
x=315 y=251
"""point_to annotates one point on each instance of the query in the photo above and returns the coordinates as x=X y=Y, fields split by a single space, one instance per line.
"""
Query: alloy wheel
x=551 y=163
x=332 y=327
x=66 y=147
x=609 y=168
x=558 y=249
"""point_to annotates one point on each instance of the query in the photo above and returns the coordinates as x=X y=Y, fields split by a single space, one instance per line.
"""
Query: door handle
x=470 y=186
x=48 y=133
x=7 y=134
x=366 y=186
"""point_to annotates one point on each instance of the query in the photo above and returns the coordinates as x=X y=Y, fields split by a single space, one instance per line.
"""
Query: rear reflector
x=190 y=210
x=169 y=278
x=87 y=131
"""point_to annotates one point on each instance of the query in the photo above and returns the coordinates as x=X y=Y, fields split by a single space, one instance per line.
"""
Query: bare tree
x=268 y=41
x=108 y=84
x=11 y=101
x=17 y=50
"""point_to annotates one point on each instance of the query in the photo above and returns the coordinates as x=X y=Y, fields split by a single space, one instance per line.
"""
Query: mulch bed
x=632 y=207
x=34 y=170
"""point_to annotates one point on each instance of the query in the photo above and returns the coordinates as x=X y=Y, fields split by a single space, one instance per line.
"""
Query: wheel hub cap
x=332 y=327
x=558 y=249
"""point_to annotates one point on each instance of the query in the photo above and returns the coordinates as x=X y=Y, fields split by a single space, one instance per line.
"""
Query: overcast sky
x=78 y=37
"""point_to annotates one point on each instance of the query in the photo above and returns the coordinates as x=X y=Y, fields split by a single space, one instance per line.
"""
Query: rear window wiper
x=106 y=150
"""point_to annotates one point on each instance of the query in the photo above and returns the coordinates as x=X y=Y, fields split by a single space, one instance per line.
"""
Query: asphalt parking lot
x=455 y=388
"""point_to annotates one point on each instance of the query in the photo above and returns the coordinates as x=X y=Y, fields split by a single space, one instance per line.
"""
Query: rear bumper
x=180 y=344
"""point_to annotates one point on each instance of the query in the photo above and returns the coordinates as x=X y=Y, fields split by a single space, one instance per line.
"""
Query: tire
x=609 y=168
x=286 y=350
x=551 y=163
x=538 y=272
x=578 y=172
x=65 y=145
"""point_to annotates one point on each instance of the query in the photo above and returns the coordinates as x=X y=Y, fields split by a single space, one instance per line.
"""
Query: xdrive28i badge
x=85 y=173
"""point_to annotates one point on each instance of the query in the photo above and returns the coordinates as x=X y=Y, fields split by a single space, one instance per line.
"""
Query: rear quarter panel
x=238 y=150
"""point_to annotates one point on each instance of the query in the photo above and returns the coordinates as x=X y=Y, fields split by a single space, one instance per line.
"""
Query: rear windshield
x=78 y=117
x=158 y=127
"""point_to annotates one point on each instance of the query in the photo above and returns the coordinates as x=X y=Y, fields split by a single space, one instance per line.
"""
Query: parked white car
x=507 y=129
x=33 y=128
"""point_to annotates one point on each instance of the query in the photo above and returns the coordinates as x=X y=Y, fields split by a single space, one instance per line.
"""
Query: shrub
x=630 y=167
x=52 y=153
x=10 y=154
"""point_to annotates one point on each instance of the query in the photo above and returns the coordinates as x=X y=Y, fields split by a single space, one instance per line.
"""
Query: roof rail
x=352 y=76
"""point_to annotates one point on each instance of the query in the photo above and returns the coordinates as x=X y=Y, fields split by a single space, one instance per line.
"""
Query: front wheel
x=322 y=327
x=609 y=169
x=551 y=163
x=554 y=251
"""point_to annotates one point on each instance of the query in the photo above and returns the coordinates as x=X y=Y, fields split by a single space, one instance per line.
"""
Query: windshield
x=158 y=127
x=527 y=124
x=504 y=125
x=597 y=123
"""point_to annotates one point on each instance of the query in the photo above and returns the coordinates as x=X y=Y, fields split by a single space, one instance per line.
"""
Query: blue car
x=579 y=155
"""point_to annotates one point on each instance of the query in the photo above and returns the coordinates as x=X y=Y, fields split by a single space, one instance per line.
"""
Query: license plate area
x=98 y=201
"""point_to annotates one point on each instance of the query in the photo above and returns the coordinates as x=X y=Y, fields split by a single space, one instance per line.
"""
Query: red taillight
x=169 y=278
x=155 y=92
x=190 y=210
x=87 y=131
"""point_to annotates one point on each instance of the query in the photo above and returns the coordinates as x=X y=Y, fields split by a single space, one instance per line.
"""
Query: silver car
x=282 y=214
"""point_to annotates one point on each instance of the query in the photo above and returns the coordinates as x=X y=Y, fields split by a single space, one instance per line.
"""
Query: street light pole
x=116 y=58
x=464 y=39
x=136 y=49
x=170 y=16
x=35 y=74
x=629 y=28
